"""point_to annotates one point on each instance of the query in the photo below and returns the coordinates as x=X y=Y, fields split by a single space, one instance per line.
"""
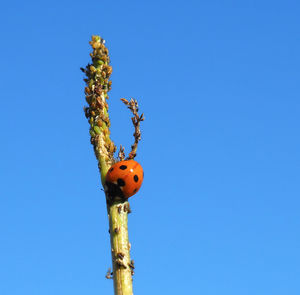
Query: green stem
x=97 y=86
x=120 y=248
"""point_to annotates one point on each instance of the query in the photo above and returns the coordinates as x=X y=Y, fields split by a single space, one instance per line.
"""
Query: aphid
x=119 y=209
x=127 y=208
x=109 y=274
x=120 y=255
x=131 y=264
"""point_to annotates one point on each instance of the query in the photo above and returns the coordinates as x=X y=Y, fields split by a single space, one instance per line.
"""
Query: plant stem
x=97 y=86
x=120 y=248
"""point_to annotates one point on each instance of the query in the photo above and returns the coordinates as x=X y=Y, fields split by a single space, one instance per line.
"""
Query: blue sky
x=218 y=81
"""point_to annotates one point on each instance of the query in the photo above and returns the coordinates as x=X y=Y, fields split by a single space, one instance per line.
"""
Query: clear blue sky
x=218 y=81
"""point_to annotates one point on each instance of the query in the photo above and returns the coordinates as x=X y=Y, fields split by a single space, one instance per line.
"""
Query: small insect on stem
x=131 y=264
x=109 y=274
x=119 y=209
x=120 y=255
x=127 y=208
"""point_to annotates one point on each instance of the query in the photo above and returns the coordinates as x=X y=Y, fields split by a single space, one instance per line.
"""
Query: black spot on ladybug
x=123 y=167
x=121 y=182
x=136 y=178
x=111 y=169
x=135 y=190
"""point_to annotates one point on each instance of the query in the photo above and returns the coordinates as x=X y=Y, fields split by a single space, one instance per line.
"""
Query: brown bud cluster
x=97 y=87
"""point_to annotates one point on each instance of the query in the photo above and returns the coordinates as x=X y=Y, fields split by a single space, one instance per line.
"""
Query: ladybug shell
x=126 y=177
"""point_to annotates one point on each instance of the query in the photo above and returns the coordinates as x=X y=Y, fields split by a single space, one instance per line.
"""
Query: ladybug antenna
x=136 y=120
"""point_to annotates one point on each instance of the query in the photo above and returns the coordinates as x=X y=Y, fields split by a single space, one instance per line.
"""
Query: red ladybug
x=124 y=179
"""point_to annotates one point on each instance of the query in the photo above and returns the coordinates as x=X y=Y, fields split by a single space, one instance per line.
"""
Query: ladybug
x=124 y=179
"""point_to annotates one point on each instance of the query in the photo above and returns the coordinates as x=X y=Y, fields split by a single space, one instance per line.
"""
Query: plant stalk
x=120 y=248
x=97 y=86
